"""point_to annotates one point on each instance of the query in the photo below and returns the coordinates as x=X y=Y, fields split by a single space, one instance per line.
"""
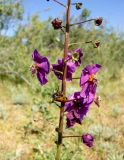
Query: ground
x=27 y=133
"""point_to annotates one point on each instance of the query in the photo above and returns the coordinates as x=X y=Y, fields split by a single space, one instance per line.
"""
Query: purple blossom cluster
x=79 y=102
x=77 y=105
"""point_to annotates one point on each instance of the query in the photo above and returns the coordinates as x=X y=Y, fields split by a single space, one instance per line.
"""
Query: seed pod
x=78 y=6
x=98 y=21
x=56 y=23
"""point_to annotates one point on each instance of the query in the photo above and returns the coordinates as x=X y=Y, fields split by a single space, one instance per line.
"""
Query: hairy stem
x=66 y=44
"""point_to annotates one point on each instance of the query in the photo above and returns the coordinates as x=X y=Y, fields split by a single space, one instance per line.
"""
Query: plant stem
x=59 y=3
x=70 y=136
x=66 y=44
x=76 y=78
x=80 y=43
x=82 y=22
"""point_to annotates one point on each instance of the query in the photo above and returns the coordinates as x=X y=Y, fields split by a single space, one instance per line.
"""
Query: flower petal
x=42 y=78
x=84 y=79
x=69 y=76
x=72 y=118
x=58 y=68
x=91 y=69
x=36 y=56
x=71 y=67
x=44 y=65
x=96 y=68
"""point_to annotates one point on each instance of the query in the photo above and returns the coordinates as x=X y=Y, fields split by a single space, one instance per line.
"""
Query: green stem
x=61 y=119
x=70 y=136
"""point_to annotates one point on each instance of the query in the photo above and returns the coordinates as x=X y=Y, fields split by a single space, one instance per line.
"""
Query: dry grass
x=28 y=135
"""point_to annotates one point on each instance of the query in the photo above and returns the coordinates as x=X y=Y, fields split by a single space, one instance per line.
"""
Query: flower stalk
x=82 y=22
x=80 y=43
x=59 y=3
x=63 y=89
x=78 y=103
x=71 y=136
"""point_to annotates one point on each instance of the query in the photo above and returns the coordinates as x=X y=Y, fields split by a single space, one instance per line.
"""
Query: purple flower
x=77 y=108
x=72 y=118
x=76 y=56
x=72 y=61
x=58 y=69
x=41 y=67
x=88 y=82
x=88 y=139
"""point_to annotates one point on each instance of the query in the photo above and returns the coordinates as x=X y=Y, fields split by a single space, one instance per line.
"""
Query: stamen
x=34 y=68
x=91 y=78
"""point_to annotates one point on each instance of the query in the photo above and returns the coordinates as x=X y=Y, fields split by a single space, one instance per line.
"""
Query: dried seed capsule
x=96 y=44
x=57 y=23
x=78 y=6
x=98 y=21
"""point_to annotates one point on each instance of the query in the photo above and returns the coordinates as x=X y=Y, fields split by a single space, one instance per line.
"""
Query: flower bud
x=96 y=44
x=57 y=23
x=88 y=139
x=98 y=21
x=78 y=6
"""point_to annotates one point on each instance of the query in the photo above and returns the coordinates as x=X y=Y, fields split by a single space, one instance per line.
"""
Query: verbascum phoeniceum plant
x=75 y=106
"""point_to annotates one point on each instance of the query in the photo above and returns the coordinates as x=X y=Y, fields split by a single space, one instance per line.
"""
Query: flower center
x=75 y=56
x=91 y=78
x=34 y=68
x=78 y=103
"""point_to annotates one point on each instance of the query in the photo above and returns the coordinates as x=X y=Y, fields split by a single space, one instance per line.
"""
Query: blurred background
x=27 y=116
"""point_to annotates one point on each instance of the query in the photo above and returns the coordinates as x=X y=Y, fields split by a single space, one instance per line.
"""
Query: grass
x=28 y=121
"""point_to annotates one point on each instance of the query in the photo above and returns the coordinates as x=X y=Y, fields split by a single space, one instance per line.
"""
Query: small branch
x=76 y=78
x=70 y=136
x=59 y=3
x=62 y=30
x=73 y=3
x=63 y=88
x=64 y=99
x=82 y=22
x=80 y=43
x=68 y=60
x=56 y=104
